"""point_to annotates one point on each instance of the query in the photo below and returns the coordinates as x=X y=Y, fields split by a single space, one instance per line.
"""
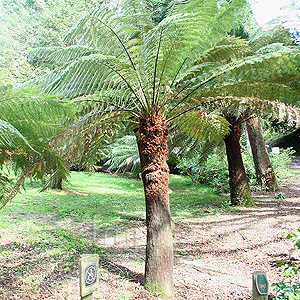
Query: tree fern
x=148 y=75
x=25 y=147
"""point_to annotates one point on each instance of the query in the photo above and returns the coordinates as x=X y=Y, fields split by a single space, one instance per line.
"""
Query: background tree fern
x=28 y=124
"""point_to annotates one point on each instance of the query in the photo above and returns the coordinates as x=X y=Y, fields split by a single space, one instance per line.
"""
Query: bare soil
x=215 y=255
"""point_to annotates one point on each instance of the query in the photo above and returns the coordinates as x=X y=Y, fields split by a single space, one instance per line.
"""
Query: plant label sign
x=260 y=284
x=88 y=274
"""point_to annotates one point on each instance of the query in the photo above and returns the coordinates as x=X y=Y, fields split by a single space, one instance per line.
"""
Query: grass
x=53 y=228
x=106 y=199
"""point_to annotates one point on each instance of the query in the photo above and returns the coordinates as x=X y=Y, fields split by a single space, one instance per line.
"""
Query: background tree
x=265 y=174
x=277 y=79
x=28 y=124
x=40 y=23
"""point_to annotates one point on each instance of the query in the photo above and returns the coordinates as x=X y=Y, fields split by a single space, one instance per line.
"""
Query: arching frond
x=84 y=142
x=275 y=72
x=244 y=107
x=203 y=126
x=123 y=155
x=59 y=55
x=28 y=123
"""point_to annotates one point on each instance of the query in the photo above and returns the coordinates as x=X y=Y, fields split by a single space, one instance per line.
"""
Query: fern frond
x=203 y=126
x=59 y=55
x=244 y=107
x=123 y=155
x=25 y=147
x=260 y=68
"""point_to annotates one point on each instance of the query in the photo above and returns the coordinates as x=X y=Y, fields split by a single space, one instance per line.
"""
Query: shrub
x=289 y=287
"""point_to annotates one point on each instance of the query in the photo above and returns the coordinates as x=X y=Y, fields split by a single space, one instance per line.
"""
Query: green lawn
x=110 y=198
x=47 y=227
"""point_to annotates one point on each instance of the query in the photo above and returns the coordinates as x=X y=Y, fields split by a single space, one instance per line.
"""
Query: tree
x=273 y=78
x=264 y=171
x=28 y=123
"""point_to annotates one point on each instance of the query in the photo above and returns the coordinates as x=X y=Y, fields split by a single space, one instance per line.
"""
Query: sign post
x=260 y=286
x=88 y=275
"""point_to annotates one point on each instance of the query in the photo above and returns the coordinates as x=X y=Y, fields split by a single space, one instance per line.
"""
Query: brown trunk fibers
x=263 y=168
x=57 y=185
x=239 y=187
x=155 y=174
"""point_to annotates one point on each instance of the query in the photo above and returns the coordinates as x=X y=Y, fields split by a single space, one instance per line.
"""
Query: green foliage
x=39 y=23
x=126 y=297
x=279 y=161
x=295 y=238
x=280 y=196
x=213 y=170
x=130 y=68
x=289 y=287
x=274 y=35
x=25 y=141
x=124 y=156
x=159 y=9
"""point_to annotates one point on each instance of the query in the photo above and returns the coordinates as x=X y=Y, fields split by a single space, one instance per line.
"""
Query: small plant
x=280 y=196
x=289 y=287
x=126 y=297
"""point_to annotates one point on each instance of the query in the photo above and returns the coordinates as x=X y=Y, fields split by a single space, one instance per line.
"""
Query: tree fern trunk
x=263 y=167
x=155 y=174
x=57 y=184
x=239 y=187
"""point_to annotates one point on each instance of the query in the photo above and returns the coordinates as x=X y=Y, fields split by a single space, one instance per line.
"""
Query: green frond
x=123 y=155
x=268 y=69
x=272 y=48
x=226 y=51
x=84 y=142
x=34 y=116
x=262 y=90
x=59 y=55
x=11 y=138
x=202 y=126
x=29 y=122
x=272 y=35
x=244 y=107
x=97 y=72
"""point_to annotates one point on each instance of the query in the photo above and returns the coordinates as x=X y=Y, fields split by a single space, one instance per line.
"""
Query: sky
x=266 y=10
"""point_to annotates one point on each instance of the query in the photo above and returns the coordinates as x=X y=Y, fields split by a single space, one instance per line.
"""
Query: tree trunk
x=239 y=187
x=264 y=172
x=155 y=174
x=57 y=184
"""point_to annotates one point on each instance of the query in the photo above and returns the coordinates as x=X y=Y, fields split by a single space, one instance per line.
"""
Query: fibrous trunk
x=155 y=174
x=57 y=184
x=239 y=187
x=264 y=172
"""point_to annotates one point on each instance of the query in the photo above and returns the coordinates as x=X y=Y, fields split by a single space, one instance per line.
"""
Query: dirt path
x=215 y=255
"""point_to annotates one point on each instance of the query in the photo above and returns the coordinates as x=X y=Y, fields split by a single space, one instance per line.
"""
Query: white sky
x=266 y=10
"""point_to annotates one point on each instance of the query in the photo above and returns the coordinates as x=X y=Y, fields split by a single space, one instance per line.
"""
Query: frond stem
x=128 y=55
x=155 y=69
